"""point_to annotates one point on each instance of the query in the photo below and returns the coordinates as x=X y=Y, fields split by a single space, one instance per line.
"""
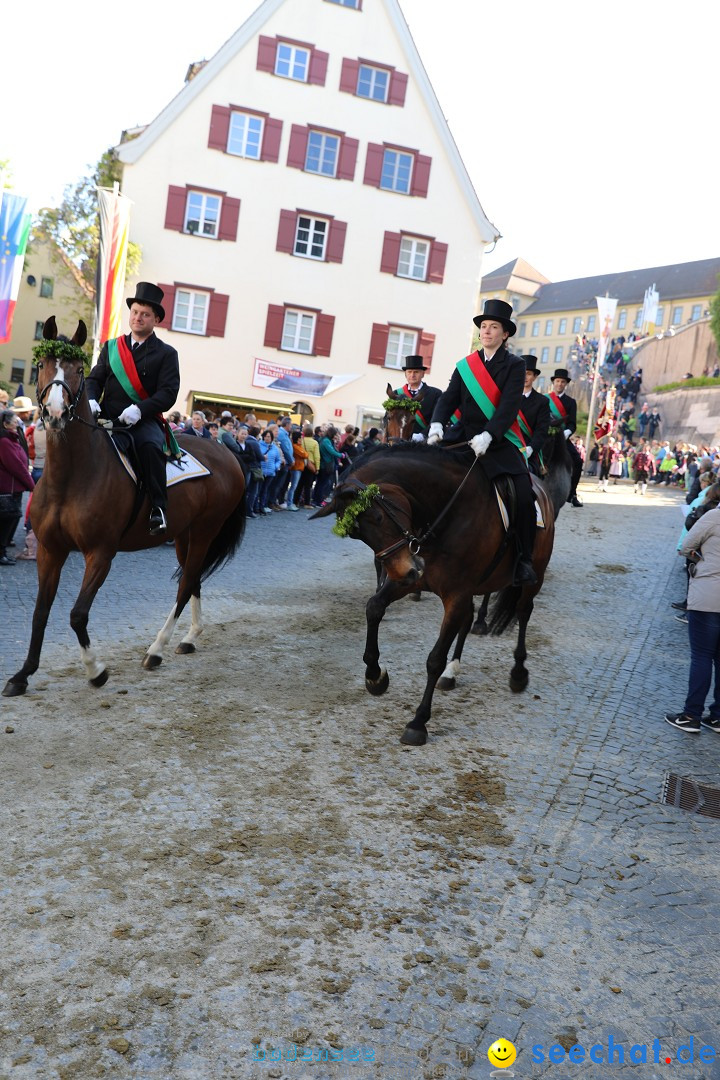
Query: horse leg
x=187 y=645
x=49 y=569
x=376 y=679
x=480 y=627
x=457 y=618
x=97 y=568
x=451 y=672
x=188 y=590
x=519 y=675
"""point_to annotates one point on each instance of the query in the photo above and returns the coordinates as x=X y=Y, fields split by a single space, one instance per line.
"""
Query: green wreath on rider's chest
x=345 y=525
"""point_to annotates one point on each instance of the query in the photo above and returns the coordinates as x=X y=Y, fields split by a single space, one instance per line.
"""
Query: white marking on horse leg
x=452 y=670
x=196 y=625
x=156 y=649
x=93 y=667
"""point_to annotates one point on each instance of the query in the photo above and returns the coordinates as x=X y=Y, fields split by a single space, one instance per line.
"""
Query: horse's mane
x=455 y=454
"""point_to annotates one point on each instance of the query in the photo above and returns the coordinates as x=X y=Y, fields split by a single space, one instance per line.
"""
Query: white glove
x=435 y=434
x=417 y=437
x=130 y=416
x=567 y=432
x=94 y=407
x=481 y=442
x=529 y=451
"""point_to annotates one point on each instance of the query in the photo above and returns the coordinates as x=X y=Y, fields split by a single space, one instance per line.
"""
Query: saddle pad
x=539 y=520
x=187 y=468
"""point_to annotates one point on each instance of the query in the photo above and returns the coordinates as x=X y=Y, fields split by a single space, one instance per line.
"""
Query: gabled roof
x=677 y=281
x=133 y=151
x=517 y=275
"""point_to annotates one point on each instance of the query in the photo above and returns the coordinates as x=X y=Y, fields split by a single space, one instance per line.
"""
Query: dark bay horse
x=434 y=524
x=86 y=502
x=399 y=416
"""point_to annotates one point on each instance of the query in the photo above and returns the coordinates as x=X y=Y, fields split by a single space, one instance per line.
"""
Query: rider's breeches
x=149 y=442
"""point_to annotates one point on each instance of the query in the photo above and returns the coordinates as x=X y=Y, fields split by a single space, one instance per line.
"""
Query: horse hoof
x=415 y=596
x=445 y=684
x=14 y=689
x=413 y=736
x=378 y=686
x=100 y=679
x=479 y=629
x=518 y=685
x=184 y=648
x=151 y=661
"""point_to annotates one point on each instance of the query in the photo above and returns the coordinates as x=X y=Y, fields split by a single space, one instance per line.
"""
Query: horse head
x=60 y=365
x=398 y=419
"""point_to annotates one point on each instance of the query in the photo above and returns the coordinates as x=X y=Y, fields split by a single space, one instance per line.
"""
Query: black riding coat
x=508 y=373
x=536 y=410
x=570 y=406
x=428 y=397
x=159 y=372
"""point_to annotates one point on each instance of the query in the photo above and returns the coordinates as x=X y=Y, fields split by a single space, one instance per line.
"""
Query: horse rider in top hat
x=534 y=416
x=563 y=413
x=417 y=389
x=138 y=378
x=487 y=388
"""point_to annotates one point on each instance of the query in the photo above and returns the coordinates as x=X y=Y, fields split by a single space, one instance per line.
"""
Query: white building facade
x=304 y=207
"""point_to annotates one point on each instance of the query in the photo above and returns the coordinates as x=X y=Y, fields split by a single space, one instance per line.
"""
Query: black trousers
x=9 y=524
x=577 y=465
x=526 y=518
x=149 y=439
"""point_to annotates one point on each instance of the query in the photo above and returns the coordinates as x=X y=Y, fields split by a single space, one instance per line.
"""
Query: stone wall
x=689 y=348
x=691 y=416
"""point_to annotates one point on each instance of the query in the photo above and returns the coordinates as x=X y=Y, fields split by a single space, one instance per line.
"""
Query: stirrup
x=158 y=521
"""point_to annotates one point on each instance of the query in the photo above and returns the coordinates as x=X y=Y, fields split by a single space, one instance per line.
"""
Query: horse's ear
x=50 y=329
x=325 y=511
x=80 y=336
x=390 y=392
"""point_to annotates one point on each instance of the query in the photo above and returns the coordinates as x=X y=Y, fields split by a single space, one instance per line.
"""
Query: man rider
x=534 y=416
x=563 y=413
x=138 y=378
x=415 y=389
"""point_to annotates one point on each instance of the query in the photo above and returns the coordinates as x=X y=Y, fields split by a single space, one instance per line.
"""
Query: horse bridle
x=74 y=398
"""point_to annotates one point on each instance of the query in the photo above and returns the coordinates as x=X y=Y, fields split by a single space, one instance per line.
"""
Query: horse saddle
x=186 y=467
x=507 y=501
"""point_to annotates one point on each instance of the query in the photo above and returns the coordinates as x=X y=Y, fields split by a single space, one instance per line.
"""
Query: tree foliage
x=715 y=315
x=74 y=227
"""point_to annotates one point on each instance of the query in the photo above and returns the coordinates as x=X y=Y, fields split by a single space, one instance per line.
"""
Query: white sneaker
x=292 y=506
x=267 y=510
x=282 y=506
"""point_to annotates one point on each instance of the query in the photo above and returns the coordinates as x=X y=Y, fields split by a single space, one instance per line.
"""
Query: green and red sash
x=478 y=380
x=405 y=393
x=123 y=368
x=557 y=408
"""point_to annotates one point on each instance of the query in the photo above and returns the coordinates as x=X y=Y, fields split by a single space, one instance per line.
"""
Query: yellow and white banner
x=606 y=314
x=114 y=210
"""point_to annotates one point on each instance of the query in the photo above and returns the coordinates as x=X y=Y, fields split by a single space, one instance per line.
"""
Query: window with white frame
x=292 y=62
x=545 y=354
x=245 y=135
x=298 y=331
x=310 y=237
x=413 y=259
x=533 y=352
x=548 y=327
x=622 y=319
x=373 y=82
x=401 y=343
x=577 y=325
x=535 y=332
x=591 y=324
x=638 y=318
x=322 y=153
x=676 y=316
x=191 y=311
x=696 y=312
x=523 y=328
x=659 y=317
x=562 y=328
x=202 y=214
x=558 y=354
x=396 y=171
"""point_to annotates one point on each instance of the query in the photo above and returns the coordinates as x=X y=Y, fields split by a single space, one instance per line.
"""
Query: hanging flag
x=114 y=211
x=14 y=232
x=606 y=314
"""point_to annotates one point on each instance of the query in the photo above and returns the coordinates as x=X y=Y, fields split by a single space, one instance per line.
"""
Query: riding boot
x=525 y=527
x=152 y=464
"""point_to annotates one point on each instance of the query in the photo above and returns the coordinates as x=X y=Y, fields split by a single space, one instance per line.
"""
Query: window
x=545 y=354
x=523 y=328
x=390 y=343
x=373 y=82
x=202 y=216
x=396 y=171
x=347 y=3
x=17 y=371
x=298 y=330
x=39 y=331
x=622 y=319
x=298 y=60
x=638 y=318
x=696 y=312
x=558 y=354
x=393 y=168
x=535 y=332
x=46 y=287
x=533 y=352
x=245 y=135
x=675 y=320
x=292 y=62
x=303 y=330
x=310 y=237
x=659 y=317
x=421 y=258
x=577 y=325
x=548 y=327
x=191 y=311
x=562 y=328
x=591 y=324
x=413 y=258
x=401 y=343
x=322 y=153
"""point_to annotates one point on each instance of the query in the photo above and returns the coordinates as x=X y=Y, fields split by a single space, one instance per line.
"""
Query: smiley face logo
x=502 y=1053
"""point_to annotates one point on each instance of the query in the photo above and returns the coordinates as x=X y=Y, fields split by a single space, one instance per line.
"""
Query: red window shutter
x=229 y=215
x=398 y=86
x=336 y=241
x=267 y=50
x=274 y=326
x=347 y=158
x=324 y=334
x=270 y=149
x=421 y=175
x=175 y=209
x=378 y=343
x=436 y=264
x=349 y=75
x=318 y=67
x=297 y=150
x=390 y=253
x=217 y=315
x=169 y=305
x=286 y=231
x=219 y=127
x=426 y=347
x=374 y=164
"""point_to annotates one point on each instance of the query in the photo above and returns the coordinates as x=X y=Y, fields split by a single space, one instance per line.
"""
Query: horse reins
x=74 y=398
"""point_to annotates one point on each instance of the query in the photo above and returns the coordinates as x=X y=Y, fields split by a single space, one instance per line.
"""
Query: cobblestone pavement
x=518 y=877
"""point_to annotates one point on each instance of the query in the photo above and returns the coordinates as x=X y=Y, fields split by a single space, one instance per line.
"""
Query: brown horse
x=399 y=416
x=433 y=521
x=86 y=502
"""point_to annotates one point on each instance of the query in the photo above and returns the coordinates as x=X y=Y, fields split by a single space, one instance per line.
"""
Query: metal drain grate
x=687 y=794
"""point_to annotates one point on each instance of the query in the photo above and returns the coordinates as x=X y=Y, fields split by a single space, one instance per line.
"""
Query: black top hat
x=414 y=363
x=147 y=293
x=530 y=363
x=562 y=373
x=500 y=312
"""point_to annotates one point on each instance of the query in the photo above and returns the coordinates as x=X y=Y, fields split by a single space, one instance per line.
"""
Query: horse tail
x=224 y=544
x=504 y=610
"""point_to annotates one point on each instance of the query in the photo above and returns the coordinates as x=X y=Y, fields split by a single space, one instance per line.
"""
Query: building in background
x=305 y=208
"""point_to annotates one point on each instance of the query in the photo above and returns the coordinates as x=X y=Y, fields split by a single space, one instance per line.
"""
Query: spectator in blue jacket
x=281 y=432
x=271 y=464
